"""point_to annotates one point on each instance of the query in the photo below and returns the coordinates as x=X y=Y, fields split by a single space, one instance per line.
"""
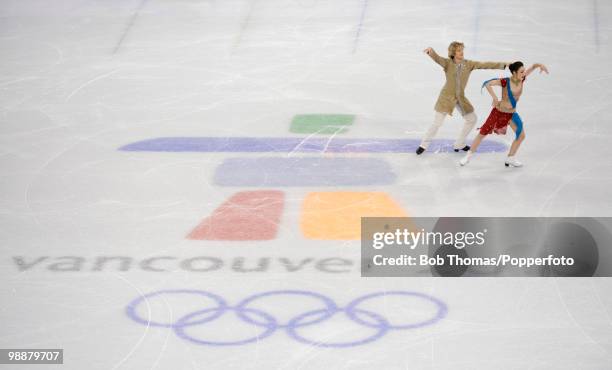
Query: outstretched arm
x=438 y=59
x=491 y=92
x=533 y=68
x=489 y=65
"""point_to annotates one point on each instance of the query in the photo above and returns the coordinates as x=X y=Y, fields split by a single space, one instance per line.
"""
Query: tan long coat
x=450 y=96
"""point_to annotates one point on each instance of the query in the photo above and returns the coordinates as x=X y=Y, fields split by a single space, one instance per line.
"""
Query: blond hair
x=452 y=48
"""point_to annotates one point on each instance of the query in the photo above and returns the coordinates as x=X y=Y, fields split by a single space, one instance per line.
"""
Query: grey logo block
x=486 y=246
x=305 y=171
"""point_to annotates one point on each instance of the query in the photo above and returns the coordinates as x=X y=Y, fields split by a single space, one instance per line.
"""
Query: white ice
x=79 y=79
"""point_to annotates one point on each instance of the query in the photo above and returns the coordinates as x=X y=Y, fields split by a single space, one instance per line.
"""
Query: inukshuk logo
x=325 y=215
x=253 y=318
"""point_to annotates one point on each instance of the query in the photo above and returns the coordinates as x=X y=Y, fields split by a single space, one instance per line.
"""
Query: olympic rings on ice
x=267 y=324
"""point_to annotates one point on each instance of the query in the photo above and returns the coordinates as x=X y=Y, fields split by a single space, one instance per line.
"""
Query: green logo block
x=324 y=124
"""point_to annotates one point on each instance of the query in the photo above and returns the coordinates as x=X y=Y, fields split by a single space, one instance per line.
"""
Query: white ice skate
x=512 y=162
x=465 y=160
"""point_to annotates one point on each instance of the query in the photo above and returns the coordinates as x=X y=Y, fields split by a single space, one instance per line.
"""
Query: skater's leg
x=517 y=142
x=433 y=130
x=472 y=150
x=511 y=161
x=468 y=125
x=476 y=143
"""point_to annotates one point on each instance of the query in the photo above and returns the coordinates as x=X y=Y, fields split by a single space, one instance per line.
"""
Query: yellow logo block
x=337 y=215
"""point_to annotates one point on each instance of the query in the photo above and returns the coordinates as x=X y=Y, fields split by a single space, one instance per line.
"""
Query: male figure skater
x=457 y=70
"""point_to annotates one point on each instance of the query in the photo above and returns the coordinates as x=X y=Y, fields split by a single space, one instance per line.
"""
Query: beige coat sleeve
x=438 y=59
x=488 y=65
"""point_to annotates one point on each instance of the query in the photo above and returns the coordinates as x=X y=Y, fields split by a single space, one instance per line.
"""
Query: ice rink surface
x=202 y=253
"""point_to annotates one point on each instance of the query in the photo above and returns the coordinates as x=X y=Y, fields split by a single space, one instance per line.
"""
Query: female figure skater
x=504 y=111
x=457 y=71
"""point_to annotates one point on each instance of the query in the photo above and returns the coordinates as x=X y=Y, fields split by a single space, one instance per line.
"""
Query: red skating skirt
x=497 y=122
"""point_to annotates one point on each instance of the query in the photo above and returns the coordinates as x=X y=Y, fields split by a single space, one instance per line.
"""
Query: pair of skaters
x=457 y=71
